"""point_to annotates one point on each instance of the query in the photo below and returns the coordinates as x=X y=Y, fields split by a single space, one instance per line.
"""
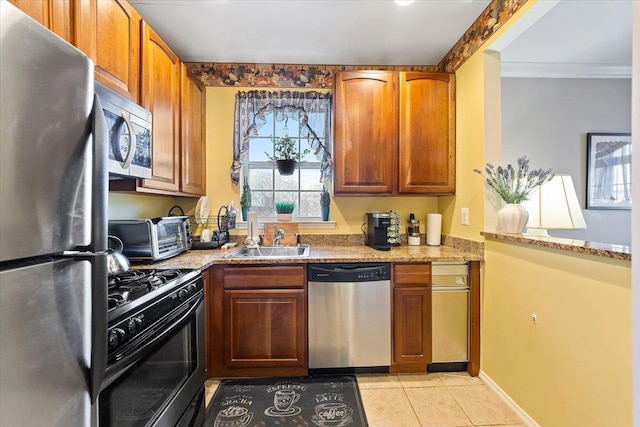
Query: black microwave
x=130 y=139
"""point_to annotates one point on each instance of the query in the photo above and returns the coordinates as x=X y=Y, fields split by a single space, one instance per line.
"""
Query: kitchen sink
x=270 y=252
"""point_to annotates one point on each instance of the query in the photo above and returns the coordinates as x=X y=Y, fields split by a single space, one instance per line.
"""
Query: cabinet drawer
x=272 y=276
x=412 y=274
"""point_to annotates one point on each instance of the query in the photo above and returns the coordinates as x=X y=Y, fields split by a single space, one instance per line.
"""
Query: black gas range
x=137 y=299
x=155 y=362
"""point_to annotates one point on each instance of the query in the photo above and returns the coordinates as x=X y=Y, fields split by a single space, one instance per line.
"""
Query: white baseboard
x=526 y=418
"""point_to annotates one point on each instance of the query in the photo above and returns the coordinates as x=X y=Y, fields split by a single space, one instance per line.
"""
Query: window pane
x=262 y=203
x=292 y=127
x=261 y=179
x=287 y=182
x=310 y=179
x=267 y=129
x=257 y=149
x=309 y=157
x=309 y=204
x=316 y=122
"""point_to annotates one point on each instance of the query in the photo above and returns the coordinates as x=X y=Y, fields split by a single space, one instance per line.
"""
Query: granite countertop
x=202 y=259
x=605 y=250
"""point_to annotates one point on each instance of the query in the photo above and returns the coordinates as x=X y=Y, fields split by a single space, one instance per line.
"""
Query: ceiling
x=577 y=32
x=344 y=32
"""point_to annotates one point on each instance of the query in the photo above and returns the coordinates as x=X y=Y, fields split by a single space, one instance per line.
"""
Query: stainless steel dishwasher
x=450 y=314
x=349 y=315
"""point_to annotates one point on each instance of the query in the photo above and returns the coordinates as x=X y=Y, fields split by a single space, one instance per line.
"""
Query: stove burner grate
x=128 y=286
x=116 y=300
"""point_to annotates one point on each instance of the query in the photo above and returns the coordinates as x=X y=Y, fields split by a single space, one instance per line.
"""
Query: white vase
x=284 y=217
x=512 y=218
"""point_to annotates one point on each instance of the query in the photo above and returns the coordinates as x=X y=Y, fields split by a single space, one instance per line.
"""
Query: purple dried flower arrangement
x=514 y=186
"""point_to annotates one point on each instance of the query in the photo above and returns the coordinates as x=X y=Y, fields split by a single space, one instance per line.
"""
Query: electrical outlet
x=464 y=216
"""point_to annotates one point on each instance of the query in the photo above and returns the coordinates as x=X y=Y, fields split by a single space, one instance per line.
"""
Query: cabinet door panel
x=192 y=135
x=427 y=127
x=266 y=328
x=37 y=9
x=108 y=31
x=412 y=274
x=61 y=17
x=56 y=15
x=160 y=95
x=412 y=326
x=365 y=135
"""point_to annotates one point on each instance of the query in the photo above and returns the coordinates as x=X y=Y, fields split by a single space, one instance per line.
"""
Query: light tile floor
x=421 y=400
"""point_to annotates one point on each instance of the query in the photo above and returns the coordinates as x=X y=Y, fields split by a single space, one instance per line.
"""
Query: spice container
x=413 y=231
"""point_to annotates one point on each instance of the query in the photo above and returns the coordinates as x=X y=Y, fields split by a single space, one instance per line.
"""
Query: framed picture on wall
x=608 y=171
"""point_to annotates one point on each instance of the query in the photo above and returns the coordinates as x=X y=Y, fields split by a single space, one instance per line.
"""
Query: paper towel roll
x=252 y=227
x=434 y=229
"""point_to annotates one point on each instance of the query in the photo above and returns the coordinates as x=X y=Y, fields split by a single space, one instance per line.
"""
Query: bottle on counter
x=413 y=231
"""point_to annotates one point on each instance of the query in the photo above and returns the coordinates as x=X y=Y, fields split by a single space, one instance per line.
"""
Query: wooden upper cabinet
x=394 y=133
x=427 y=133
x=365 y=132
x=161 y=96
x=192 y=126
x=108 y=32
x=56 y=15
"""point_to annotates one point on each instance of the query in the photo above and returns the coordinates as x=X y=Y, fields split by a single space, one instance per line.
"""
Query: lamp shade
x=554 y=205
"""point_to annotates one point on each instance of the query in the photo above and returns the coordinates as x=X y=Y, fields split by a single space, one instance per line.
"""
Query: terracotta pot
x=512 y=218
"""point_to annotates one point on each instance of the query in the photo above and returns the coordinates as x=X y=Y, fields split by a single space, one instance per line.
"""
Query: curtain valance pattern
x=252 y=106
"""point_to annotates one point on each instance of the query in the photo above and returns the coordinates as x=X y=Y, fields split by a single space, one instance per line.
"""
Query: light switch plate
x=464 y=216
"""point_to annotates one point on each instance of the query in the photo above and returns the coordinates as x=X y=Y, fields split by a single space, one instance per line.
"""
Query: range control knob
x=183 y=294
x=134 y=325
x=191 y=288
x=116 y=335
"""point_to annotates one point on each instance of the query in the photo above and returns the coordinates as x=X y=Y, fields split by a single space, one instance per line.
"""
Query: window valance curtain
x=252 y=106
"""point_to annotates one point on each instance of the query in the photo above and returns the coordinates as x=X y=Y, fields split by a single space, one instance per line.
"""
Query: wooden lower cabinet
x=258 y=321
x=411 y=317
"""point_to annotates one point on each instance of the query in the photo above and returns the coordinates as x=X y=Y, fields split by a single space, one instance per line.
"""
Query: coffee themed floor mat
x=321 y=401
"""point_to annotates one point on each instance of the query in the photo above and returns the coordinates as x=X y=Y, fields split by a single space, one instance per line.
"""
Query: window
x=305 y=118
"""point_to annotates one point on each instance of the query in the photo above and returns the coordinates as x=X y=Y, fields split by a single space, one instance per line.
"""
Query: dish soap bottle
x=413 y=231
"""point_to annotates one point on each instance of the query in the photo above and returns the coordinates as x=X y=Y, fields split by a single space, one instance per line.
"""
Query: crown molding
x=565 y=70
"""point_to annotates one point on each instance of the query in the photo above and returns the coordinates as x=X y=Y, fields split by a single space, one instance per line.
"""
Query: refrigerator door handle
x=100 y=178
x=99 y=243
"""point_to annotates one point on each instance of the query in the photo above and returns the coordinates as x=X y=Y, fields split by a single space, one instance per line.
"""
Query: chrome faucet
x=278 y=234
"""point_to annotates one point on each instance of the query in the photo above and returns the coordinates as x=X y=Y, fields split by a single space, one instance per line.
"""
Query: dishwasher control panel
x=349 y=272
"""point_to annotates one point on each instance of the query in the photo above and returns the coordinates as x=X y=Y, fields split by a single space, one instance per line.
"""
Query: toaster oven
x=154 y=239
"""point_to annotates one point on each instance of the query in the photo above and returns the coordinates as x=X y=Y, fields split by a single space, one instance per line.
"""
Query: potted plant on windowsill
x=284 y=210
x=286 y=154
x=245 y=199
x=325 y=202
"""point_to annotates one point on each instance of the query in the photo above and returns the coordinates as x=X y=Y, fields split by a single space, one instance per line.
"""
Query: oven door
x=161 y=381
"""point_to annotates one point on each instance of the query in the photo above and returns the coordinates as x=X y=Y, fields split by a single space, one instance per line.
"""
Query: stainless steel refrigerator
x=53 y=195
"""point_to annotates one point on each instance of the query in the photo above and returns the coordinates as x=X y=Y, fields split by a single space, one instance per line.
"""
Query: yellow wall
x=572 y=367
x=132 y=205
x=469 y=154
x=347 y=212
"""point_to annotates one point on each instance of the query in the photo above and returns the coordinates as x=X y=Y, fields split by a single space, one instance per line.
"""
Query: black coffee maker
x=375 y=230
